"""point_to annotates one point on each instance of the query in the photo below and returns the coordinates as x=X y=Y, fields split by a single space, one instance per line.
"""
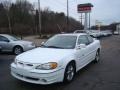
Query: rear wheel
x=69 y=72
x=17 y=50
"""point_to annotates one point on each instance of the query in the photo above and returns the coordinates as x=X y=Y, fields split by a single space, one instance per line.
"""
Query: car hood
x=44 y=55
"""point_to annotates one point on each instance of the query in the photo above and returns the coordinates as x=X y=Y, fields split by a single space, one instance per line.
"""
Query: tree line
x=21 y=17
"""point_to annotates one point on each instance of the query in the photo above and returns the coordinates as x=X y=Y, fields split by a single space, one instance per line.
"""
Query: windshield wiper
x=43 y=46
x=51 y=47
x=54 y=47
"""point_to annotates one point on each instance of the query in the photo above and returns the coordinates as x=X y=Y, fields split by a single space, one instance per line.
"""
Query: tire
x=97 y=57
x=69 y=72
x=17 y=50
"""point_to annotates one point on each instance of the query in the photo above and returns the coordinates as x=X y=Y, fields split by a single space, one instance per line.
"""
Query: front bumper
x=35 y=77
x=26 y=48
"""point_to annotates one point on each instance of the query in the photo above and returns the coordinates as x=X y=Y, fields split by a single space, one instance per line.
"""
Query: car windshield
x=61 y=41
x=14 y=38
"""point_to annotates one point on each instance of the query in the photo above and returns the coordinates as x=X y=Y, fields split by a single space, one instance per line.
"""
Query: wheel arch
x=98 y=50
x=70 y=62
x=18 y=46
x=73 y=62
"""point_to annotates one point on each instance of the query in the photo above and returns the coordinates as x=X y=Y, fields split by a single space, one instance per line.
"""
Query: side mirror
x=81 y=46
x=42 y=43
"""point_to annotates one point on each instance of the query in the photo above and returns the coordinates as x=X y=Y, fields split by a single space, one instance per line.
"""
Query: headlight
x=47 y=66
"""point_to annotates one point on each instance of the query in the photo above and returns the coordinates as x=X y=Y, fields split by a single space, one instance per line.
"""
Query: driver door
x=4 y=43
x=82 y=54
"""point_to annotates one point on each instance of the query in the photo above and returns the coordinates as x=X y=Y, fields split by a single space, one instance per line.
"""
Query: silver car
x=12 y=44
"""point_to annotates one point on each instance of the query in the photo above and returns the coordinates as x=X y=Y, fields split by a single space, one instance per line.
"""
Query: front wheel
x=97 y=57
x=69 y=72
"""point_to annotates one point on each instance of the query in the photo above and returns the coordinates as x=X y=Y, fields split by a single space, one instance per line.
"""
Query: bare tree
x=7 y=5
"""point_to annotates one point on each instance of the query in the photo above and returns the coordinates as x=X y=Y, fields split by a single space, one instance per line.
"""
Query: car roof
x=5 y=35
x=73 y=34
x=67 y=34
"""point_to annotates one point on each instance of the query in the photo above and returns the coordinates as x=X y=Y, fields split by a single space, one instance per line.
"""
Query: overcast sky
x=106 y=11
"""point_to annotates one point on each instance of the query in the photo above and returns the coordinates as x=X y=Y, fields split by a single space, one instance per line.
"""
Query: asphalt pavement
x=104 y=75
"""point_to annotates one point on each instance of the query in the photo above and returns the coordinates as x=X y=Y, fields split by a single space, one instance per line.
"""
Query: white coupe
x=57 y=60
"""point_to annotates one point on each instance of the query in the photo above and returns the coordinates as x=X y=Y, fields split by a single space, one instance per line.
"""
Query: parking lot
x=104 y=75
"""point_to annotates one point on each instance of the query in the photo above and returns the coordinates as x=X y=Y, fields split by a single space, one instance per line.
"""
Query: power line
x=62 y=6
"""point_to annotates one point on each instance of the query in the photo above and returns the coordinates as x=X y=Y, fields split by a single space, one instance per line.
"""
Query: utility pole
x=67 y=15
x=39 y=10
x=81 y=17
x=86 y=21
x=89 y=21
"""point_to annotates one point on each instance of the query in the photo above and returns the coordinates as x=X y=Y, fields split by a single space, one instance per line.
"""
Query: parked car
x=116 y=33
x=12 y=44
x=109 y=33
x=96 y=33
x=57 y=60
x=92 y=33
x=80 y=31
x=106 y=33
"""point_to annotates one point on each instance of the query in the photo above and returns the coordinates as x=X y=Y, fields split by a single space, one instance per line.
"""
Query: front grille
x=26 y=77
x=19 y=75
x=20 y=63
x=30 y=65
x=23 y=64
x=30 y=78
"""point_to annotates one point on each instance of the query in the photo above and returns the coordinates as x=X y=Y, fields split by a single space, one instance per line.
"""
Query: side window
x=83 y=40
x=90 y=39
x=0 y=38
x=3 y=38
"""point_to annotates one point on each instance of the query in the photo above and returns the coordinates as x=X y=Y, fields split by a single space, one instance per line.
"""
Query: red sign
x=82 y=8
